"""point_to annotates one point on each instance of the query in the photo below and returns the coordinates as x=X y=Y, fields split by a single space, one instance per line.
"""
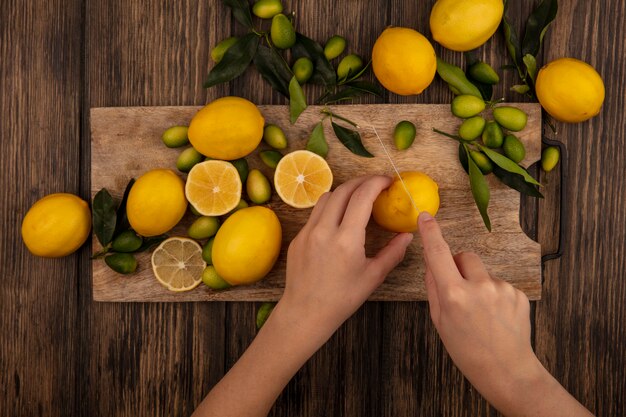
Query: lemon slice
x=301 y=178
x=177 y=264
x=213 y=187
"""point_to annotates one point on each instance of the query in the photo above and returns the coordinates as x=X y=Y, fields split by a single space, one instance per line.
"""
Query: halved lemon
x=301 y=178
x=213 y=187
x=177 y=264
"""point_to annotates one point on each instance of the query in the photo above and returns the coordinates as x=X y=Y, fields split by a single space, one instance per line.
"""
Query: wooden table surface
x=62 y=354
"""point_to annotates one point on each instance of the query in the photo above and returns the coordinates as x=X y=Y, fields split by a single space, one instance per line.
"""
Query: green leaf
x=531 y=66
x=317 y=142
x=297 y=101
x=367 y=87
x=121 y=223
x=516 y=182
x=149 y=242
x=263 y=314
x=520 y=88
x=352 y=90
x=470 y=58
x=323 y=72
x=273 y=69
x=235 y=61
x=352 y=77
x=480 y=189
x=456 y=78
x=342 y=95
x=241 y=11
x=511 y=39
x=463 y=158
x=486 y=90
x=508 y=165
x=104 y=217
x=508 y=67
x=537 y=25
x=351 y=140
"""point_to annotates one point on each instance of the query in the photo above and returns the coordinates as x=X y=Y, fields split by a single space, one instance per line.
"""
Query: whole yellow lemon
x=393 y=208
x=247 y=245
x=227 y=128
x=570 y=90
x=463 y=25
x=56 y=225
x=404 y=61
x=156 y=202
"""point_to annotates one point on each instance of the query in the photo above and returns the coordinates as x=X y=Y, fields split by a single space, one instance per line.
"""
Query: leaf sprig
x=506 y=170
x=524 y=53
x=256 y=48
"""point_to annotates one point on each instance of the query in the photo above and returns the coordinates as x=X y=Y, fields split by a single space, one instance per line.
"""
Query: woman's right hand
x=485 y=326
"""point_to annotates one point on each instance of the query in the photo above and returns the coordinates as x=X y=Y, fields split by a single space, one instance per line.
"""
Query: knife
x=395 y=168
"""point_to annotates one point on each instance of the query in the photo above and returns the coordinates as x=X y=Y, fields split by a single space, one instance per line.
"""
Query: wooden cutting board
x=125 y=142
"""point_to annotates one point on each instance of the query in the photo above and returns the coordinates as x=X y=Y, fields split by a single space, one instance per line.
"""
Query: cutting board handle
x=562 y=204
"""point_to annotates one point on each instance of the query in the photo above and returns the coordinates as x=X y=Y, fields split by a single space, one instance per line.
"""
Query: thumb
x=390 y=256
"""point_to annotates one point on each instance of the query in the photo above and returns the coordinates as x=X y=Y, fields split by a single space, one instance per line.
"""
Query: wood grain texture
x=39 y=132
x=63 y=354
x=147 y=359
x=579 y=329
x=126 y=143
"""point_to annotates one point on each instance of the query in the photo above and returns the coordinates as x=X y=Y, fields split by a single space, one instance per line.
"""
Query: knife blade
x=395 y=168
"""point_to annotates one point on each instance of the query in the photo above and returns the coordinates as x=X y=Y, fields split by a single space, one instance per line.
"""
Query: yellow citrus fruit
x=393 y=208
x=227 y=128
x=570 y=90
x=156 y=202
x=404 y=61
x=463 y=25
x=213 y=187
x=177 y=264
x=247 y=245
x=301 y=177
x=56 y=225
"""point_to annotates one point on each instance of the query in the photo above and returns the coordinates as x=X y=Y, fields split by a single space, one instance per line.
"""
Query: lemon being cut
x=394 y=210
x=177 y=264
x=213 y=187
x=301 y=178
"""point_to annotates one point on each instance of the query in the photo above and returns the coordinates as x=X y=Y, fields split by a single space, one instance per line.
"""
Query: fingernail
x=408 y=238
x=425 y=217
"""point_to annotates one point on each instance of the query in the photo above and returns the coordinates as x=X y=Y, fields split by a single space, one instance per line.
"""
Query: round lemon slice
x=301 y=178
x=213 y=188
x=177 y=264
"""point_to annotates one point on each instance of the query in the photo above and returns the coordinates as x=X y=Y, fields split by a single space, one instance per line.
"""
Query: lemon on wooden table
x=247 y=245
x=177 y=264
x=570 y=90
x=301 y=177
x=156 y=202
x=56 y=225
x=227 y=128
x=404 y=61
x=463 y=25
x=213 y=187
x=394 y=210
